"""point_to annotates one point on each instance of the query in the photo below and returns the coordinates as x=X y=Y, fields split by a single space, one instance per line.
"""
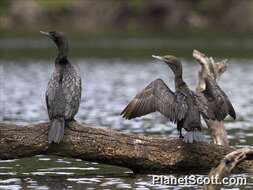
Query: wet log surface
x=136 y=152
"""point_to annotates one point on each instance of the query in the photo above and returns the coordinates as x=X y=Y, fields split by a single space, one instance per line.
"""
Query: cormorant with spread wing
x=183 y=106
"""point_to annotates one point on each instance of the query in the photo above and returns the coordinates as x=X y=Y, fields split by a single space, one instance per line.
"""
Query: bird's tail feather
x=194 y=136
x=56 y=130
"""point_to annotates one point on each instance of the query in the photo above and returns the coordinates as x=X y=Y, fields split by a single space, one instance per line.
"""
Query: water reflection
x=108 y=85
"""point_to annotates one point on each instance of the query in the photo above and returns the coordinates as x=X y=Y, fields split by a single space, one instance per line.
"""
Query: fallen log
x=139 y=153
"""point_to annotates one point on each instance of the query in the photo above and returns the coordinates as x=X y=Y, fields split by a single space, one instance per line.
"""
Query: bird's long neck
x=62 y=52
x=179 y=82
x=179 y=77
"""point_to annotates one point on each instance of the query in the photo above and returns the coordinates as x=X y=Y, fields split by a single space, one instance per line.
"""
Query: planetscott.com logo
x=197 y=180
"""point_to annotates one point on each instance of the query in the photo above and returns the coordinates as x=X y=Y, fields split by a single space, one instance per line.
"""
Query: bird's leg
x=179 y=128
x=180 y=134
x=69 y=121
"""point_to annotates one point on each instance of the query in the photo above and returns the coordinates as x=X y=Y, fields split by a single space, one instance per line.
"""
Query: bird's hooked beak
x=167 y=59
x=158 y=57
x=46 y=34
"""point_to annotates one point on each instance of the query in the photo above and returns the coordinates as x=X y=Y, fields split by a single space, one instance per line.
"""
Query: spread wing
x=157 y=97
x=202 y=103
x=218 y=102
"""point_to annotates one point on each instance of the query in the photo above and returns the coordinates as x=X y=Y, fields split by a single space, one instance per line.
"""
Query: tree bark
x=218 y=132
x=136 y=152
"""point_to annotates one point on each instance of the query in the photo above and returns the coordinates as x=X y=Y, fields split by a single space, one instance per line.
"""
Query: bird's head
x=172 y=61
x=59 y=39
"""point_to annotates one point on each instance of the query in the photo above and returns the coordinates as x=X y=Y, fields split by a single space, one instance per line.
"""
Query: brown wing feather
x=218 y=102
x=202 y=103
x=155 y=97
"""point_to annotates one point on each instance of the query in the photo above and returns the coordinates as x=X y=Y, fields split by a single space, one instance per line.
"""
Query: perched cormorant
x=219 y=105
x=63 y=92
x=183 y=106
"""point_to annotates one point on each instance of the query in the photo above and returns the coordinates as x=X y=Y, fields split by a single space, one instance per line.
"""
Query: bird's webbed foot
x=69 y=121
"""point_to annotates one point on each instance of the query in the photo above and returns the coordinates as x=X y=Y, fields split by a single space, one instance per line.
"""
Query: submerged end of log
x=136 y=152
x=227 y=164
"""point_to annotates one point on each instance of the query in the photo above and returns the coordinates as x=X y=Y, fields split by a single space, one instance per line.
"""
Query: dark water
x=107 y=87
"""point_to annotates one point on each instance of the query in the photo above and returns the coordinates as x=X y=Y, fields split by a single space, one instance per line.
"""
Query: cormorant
x=63 y=92
x=219 y=105
x=183 y=106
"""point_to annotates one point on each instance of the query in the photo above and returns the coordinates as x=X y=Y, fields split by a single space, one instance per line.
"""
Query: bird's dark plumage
x=183 y=106
x=63 y=92
x=218 y=102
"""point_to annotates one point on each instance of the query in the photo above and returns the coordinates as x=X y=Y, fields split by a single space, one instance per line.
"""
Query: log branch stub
x=212 y=70
x=136 y=152
x=218 y=132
